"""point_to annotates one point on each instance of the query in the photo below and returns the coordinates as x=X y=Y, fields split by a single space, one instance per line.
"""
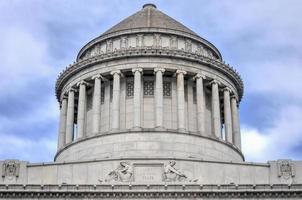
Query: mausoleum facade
x=149 y=109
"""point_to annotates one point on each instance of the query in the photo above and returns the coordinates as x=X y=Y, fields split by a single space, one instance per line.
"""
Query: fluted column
x=70 y=116
x=116 y=100
x=235 y=122
x=227 y=115
x=81 y=118
x=216 y=121
x=159 y=107
x=137 y=97
x=96 y=105
x=62 y=125
x=181 y=99
x=200 y=103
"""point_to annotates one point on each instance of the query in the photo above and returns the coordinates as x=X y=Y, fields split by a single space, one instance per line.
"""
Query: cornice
x=147 y=52
x=163 y=191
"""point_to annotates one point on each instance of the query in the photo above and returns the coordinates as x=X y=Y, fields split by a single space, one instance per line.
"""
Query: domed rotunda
x=149 y=110
x=149 y=87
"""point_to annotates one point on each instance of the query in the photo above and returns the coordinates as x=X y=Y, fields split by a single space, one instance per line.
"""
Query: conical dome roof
x=149 y=17
x=150 y=20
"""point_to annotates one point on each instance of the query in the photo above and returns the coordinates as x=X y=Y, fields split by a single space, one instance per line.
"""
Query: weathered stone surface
x=147 y=101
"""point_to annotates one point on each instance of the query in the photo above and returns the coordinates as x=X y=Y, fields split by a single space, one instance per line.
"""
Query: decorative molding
x=135 y=52
x=156 y=191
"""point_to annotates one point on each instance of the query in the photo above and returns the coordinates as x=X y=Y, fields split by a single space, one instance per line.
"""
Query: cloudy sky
x=260 y=38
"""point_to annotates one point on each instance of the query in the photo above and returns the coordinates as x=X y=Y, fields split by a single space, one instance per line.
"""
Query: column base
x=137 y=128
x=182 y=130
x=159 y=128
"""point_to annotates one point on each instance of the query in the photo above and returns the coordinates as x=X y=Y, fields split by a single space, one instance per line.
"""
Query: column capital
x=159 y=69
x=72 y=89
x=233 y=96
x=97 y=76
x=199 y=75
x=118 y=72
x=179 y=71
x=227 y=89
x=64 y=96
x=214 y=81
x=82 y=82
x=137 y=69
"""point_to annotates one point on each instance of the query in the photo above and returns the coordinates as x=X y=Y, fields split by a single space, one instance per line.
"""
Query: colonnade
x=230 y=106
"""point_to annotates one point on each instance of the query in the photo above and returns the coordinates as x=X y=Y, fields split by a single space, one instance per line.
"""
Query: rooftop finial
x=149 y=5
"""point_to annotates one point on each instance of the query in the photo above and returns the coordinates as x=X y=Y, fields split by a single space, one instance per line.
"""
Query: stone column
x=159 y=97
x=236 y=123
x=81 y=119
x=70 y=116
x=201 y=107
x=216 y=121
x=96 y=105
x=62 y=125
x=227 y=115
x=181 y=99
x=137 y=97
x=116 y=100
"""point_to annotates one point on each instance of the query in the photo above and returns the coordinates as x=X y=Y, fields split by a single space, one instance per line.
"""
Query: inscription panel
x=148 y=172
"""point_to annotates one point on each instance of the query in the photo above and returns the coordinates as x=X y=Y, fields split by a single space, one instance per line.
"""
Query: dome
x=149 y=17
x=149 y=87
x=150 y=20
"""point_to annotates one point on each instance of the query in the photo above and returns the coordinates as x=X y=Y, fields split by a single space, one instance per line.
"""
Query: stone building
x=150 y=110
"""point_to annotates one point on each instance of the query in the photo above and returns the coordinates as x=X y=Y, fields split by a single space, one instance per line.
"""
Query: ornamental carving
x=286 y=170
x=109 y=46
x=157 y=40
x=10 y=168
x=188 y=46
x=139 y=40
x=123 y=173
x=124 y=42
x=172 y=174
x=173 y=42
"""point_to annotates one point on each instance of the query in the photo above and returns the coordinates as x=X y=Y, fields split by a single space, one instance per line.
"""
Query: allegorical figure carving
x=10 y=168
x=172 y=174
x=123 y=173
x=286 y=171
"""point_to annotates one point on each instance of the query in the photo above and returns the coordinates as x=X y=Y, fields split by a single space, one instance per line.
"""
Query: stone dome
x=149 y=88
x=150 y=19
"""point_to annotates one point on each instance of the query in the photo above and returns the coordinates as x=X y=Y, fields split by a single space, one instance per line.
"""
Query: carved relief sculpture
x=139 y=40
x=173 y=42
x=172 y=174
x=188 y=46
x=123 y=173
x=156 y=40
x=286 y=171
x=10 y=168
x=124 y=42
x=109 y=46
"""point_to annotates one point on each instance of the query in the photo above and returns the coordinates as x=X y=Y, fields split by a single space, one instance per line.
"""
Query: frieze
x=157 y=42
